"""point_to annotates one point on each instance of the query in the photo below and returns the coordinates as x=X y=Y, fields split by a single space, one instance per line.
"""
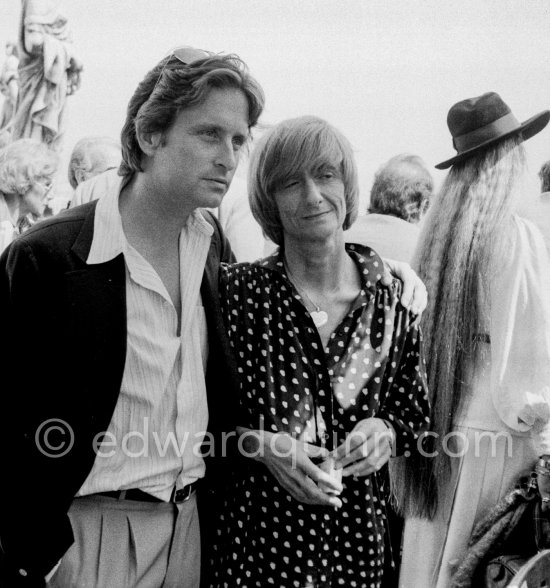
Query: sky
x=385 y=72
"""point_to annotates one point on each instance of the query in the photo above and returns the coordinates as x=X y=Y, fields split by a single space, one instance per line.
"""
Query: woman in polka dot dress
x=328 y=360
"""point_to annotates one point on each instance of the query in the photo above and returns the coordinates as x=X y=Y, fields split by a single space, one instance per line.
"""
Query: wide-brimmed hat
x=477 y=123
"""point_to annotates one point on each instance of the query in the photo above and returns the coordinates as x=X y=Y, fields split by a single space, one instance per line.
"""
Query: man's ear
x=148 y=142
x=80 y=175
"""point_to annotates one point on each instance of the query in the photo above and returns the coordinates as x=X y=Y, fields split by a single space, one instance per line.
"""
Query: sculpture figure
x=49 y=71
x=9 y=84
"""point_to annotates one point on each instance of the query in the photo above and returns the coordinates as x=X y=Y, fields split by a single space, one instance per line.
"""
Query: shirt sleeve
x=407 y=405
x=520 y=336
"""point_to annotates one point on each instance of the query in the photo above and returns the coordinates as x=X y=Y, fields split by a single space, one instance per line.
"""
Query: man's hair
x=24 y=162
x=544 y=175
x=291 y=147
x=90 y=152
x=170 y=87
x=402 y=187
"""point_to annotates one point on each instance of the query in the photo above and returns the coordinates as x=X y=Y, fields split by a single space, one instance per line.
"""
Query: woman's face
x=312 y=205
x=36 y=197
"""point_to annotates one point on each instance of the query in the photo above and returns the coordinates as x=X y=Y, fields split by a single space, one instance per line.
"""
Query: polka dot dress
x=372 y=366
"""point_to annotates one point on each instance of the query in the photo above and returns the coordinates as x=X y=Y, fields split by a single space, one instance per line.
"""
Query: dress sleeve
x=407 y=405
x=232 y=303
x=520 y=336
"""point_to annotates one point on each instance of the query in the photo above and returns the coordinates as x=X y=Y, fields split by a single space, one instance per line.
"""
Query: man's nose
x=227 y=157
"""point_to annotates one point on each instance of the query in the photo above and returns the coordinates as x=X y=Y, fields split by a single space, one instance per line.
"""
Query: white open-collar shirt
x=161 y=415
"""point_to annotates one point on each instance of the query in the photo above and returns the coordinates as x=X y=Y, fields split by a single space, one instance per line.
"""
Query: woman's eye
x=290 y=184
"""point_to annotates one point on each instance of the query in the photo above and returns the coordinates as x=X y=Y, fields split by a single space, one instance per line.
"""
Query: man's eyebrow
x=199 y=126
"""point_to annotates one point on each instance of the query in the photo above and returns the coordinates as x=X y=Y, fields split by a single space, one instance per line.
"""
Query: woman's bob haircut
x=288 y=149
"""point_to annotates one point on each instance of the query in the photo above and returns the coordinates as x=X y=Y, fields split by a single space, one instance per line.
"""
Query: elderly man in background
x=399 y=197
x=90 y=157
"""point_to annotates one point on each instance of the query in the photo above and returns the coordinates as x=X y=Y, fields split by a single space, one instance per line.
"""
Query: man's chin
x=214 y=199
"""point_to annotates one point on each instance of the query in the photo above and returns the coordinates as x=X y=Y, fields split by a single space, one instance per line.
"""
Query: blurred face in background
x=35 y=199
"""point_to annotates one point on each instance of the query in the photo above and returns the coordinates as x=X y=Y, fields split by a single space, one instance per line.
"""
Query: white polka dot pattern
x=372 y=366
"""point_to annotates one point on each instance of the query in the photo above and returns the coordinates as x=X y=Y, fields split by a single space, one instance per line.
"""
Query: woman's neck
x=321 y=266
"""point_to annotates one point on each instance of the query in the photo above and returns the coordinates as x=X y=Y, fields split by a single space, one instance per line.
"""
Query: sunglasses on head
x=186 y=55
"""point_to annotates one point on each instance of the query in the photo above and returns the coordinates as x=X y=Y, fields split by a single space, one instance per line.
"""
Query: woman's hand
x=289 y=462
x=366 y=449
x=414 y=296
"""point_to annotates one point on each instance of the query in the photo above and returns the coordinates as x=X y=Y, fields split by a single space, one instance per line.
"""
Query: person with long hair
x=487 y=342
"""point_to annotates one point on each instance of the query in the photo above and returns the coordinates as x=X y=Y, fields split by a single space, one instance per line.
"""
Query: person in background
x=544 y=175
x=92 y=156
x=27 y=169
x=537 y=209
x=329 y=361
x=399 y=198
x=242 y=230
x=487 y=342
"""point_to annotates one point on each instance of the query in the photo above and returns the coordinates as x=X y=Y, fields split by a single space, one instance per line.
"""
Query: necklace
x=319 y=317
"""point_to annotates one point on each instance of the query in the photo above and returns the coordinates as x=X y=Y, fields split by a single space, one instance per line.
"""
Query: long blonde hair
x=460 y=246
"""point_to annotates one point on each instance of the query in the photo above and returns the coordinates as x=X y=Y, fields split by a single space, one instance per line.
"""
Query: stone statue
x=49 y=71
x=9 y=84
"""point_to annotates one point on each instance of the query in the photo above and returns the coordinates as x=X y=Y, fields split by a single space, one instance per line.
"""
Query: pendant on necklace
x=320 y=317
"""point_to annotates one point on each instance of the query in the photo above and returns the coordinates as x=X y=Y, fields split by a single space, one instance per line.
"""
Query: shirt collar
x=109 y=239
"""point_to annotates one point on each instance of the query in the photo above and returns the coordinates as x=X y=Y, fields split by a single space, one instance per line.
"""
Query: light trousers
x=131 y=544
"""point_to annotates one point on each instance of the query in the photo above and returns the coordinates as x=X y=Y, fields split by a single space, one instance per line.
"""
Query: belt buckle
x=183 y=494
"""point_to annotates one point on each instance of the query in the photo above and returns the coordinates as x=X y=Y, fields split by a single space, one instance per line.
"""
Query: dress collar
x=369 y=263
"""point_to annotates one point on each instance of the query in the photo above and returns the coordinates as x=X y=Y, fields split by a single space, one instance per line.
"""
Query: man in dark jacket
x=116 y=369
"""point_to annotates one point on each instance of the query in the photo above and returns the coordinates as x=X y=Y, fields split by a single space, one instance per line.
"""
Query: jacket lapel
x=96 y=296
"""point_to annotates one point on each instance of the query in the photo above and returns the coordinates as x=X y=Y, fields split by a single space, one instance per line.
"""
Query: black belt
x=177 y=496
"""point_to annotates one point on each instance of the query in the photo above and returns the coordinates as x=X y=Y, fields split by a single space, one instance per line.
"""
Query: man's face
x=196 y=158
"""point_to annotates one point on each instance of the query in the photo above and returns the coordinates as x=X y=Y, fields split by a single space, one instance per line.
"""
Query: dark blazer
x=62 y=350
